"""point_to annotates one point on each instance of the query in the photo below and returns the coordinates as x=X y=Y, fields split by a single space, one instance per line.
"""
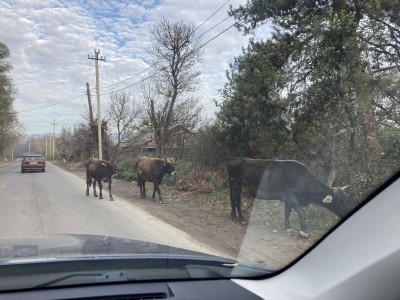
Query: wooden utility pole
x=99 y=123
x=54 y=135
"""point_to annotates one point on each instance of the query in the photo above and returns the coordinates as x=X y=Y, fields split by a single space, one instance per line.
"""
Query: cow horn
x=104 y=164
x=345 y=187
x=327 y=199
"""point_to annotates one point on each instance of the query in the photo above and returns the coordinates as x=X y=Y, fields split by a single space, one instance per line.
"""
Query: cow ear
x=327 y=199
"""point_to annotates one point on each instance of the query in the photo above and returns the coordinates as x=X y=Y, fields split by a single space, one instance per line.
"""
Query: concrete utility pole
x=96 y=58
x=90 y=104
x=54 y=135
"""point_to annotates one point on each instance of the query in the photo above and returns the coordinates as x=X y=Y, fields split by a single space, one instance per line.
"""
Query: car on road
x=33 y=162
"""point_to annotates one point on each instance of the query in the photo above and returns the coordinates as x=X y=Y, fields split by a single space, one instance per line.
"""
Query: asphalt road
x=54 y=202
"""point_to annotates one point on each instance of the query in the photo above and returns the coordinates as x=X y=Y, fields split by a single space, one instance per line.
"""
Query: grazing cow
x=285 y=180
x=152 y=169
x=99 y=170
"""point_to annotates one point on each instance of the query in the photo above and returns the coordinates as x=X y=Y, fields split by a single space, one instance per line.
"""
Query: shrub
x=127 y=169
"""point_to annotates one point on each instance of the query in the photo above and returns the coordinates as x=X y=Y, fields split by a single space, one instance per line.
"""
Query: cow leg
x=233 y=207
x=94 y=188
x=109 y=190
x=288 y=209
x=100 y=188
x=154 y=192
x=144 y=189
x=88 y=184
x=236 y=193
x=139 y=184
x=157 y=188
x=303 y=227
x=236 y=205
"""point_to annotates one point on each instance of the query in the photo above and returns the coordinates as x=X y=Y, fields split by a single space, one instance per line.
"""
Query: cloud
x=50 y=42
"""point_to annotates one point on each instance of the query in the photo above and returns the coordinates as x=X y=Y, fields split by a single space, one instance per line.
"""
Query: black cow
x=99 y=170
x=285 y=180
x=152 y=169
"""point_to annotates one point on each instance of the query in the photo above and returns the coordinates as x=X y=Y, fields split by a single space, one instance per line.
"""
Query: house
x=181 y=141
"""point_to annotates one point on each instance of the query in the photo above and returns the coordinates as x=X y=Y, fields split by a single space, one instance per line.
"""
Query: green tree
x=10 y=129
x=322 y=88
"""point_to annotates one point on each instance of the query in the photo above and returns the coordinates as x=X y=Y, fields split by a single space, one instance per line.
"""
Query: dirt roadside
x=209 y=222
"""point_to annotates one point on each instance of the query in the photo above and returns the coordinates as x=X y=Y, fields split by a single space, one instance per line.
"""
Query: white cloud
x=50 y=41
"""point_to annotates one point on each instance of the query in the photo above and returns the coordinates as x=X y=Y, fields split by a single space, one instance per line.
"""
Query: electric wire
x=135 y=83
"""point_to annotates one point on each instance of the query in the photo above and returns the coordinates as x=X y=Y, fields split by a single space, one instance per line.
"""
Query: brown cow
x=285 y=180
x=152 y=169
x=99 y=170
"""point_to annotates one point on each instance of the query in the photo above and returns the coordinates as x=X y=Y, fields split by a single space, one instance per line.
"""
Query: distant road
x=54 y=202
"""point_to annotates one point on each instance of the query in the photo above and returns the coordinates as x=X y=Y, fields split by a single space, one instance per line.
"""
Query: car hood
x=81 y=245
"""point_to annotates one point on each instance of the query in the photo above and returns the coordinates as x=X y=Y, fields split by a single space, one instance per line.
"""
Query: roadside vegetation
x=10 y=128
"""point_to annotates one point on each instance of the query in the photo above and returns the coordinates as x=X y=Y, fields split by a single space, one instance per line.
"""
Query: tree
x=323 y=87
x=10 y=129
x=124 y=114
x=176 y=50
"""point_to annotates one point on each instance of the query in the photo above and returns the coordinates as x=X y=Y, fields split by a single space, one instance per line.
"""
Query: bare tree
x=176 y=51
x=124 y=113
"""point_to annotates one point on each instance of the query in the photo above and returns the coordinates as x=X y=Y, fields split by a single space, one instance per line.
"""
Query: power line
x=223 y=31
x=135 y=83
x=51 y=104
x=139 y=4
x=156 y=73
x=205 y=21
x=125 y=80
x=212 y=15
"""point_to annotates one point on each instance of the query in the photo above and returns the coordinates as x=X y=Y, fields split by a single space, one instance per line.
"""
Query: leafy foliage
x=127 y=169
x=322 y=89
x=10 y=129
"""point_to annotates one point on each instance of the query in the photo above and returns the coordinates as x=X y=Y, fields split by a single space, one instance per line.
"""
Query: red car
x=33 y=162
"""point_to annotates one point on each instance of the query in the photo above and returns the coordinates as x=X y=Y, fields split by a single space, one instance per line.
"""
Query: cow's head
x=168 y=168
x=337 y=201
x=111 y=167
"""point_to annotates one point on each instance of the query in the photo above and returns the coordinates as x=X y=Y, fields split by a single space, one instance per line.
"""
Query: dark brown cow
x=285 y=180
x=99 y=170
x=152 y=169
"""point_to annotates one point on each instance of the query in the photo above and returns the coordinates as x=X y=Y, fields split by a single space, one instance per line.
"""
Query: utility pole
x=90 y=104
x=99 y=123
x=54 y=134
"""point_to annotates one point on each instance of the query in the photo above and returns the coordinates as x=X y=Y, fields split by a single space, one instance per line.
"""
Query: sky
x=50 y=41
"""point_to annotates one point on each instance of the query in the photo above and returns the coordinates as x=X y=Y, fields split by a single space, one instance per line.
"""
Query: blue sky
x=50 y=42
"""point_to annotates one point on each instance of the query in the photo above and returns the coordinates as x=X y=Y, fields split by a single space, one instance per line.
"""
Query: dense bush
x=127 y=169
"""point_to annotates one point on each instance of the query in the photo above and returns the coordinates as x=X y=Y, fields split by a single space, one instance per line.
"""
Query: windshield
x=238 y=131
x=33 y=158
